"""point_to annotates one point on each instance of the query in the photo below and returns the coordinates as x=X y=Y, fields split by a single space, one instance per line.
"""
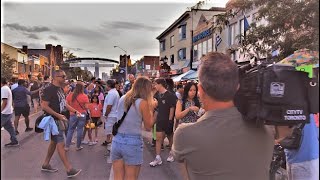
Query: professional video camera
x=274 y=94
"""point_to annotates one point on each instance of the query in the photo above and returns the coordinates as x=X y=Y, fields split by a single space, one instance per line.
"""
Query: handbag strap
x=123 y=116
x=81 y=105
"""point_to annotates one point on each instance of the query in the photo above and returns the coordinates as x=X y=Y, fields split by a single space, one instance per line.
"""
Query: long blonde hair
x=142 y=88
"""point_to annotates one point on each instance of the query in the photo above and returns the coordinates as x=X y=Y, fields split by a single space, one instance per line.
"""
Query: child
x=95 y=109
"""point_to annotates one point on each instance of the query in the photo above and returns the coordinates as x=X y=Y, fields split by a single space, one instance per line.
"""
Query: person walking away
x=78 y=101
x=53 y=103
x=165 y=114
x=237 y=149
x=110 y=108
x=179 y=91
x=21 y=105
x=95 y=109
x=188 y=107
x=6 y=112
x=127 y=145
x=35 y=98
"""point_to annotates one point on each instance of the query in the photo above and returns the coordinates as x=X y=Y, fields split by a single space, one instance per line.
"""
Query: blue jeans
x=75 y=122
x=7 y=124
x=127 y=147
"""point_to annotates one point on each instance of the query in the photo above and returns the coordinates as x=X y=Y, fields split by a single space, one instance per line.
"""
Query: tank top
x=132 y=123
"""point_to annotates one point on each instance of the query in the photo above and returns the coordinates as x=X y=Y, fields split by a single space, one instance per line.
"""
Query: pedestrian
x=221 y=144
x=78 y=101
x=118 y=88
x=6 y=112
x=46 y=82
x=21 y=105
x=188 y=107
x=98 y=91
x=110 y=108
x=95 y=109
x=179 y=91
x=53 y=103
x=164 y=122
x=128 y=84
x=35 y=98
x=127 y=145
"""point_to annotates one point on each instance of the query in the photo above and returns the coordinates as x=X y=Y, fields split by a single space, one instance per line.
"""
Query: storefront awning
x=191 y=76
x=178 y=78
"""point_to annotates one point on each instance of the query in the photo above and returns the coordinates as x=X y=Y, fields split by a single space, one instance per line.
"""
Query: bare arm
x=109 y=107
x=147 y=115
x=4 y=104
x=183 y=169
x=179 y=113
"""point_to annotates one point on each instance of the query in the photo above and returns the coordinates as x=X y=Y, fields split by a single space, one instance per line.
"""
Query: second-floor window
x=162 y=45
x=182 y=31
x=172 y=59
x=232 y=34
x=171 y=41
x=182 y=54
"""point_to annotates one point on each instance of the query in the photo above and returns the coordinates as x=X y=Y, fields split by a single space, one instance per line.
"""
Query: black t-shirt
x=56 y=98
x=165 y=102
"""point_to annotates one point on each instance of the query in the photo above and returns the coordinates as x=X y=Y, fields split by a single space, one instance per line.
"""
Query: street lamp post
x=125 y=61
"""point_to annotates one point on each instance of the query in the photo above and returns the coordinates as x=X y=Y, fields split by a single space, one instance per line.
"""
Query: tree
x=291 y=25
x=7 y=64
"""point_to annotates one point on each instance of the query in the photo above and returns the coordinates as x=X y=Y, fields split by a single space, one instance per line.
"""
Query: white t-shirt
x=112 y=98
x=6 y=93
x=13 y=86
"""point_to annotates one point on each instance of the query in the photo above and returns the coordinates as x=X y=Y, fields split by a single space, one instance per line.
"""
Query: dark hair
x=111 y=83
x=179 y=86
x=222 y=81
x=21 y=81
x=94 y=96
x=93 y=78
x=162 y=82
x=3 y=81
x=187 y=87
x=170 y=84
x=46 y=77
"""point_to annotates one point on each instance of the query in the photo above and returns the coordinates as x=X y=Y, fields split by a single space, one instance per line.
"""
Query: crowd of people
x=206 y=132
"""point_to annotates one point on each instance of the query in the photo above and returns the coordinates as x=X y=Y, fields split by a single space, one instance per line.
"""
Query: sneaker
x=94 y=142
x=17 y=132
x=84 y=142
x=90 y=143
x=12 y=144
x=170 y=158
x=73 y=173
x=48 y=168
x=73 y=142
x=66 y=148
x=28 y=129
x=156 y=162
x=79 y=148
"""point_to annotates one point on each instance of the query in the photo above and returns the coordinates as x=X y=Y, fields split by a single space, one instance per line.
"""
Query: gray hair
x=218 y=76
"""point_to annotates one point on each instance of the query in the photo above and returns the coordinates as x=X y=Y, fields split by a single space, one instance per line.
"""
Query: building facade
x=147 y=66
x=176 y=41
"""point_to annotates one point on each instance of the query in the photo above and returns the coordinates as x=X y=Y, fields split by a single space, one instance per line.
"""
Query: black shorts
x=25 y=111
x=166 y=127
x=95 y=120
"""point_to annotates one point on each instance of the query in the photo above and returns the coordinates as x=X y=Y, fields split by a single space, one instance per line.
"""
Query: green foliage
x=7 y=64
x=292 y=25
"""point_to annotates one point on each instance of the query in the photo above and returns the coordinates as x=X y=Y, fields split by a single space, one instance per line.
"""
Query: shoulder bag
x=116 y=125
x=87 y=114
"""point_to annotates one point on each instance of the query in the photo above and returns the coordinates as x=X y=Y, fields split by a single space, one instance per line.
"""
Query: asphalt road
x=24 y=162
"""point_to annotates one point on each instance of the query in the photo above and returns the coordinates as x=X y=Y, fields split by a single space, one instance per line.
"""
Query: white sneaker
x=90 y=143
x=84 y=142
x=156 y=162
x=94 y=142
x=170 y=158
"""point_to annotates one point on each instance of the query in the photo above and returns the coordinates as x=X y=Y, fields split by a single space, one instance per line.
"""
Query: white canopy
x=178 y=78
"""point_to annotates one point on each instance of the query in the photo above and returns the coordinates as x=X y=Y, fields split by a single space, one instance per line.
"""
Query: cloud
x=129 y=26
x=53 y=37
x=82 y=33
x=18 y=27
x=33 y=36
x=30 y=45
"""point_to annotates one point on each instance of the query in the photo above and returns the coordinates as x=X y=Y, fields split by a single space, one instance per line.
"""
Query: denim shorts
x=127 y=147
x=58 y=138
